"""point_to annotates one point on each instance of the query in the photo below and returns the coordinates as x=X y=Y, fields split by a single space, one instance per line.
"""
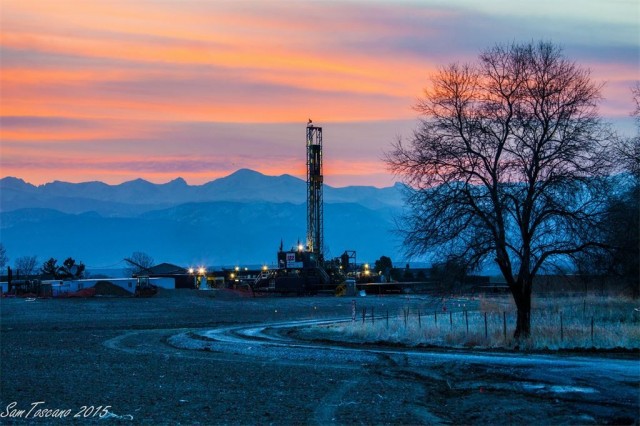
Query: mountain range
x=235 y=220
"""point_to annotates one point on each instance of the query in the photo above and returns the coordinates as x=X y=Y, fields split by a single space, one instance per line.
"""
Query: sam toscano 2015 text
x=38 y=410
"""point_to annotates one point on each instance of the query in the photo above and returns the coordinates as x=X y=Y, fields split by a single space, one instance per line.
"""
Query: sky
x=124 y=89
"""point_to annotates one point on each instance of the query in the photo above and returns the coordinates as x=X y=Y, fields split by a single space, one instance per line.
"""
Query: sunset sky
x=120 y=89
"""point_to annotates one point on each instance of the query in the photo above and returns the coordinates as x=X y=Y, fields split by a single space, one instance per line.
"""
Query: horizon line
x=180 y=178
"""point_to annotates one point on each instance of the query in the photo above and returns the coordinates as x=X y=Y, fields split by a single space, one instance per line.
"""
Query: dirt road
x=184 y=357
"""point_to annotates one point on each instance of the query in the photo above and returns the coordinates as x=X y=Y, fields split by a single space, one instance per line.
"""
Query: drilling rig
x=315 y=219
x=300 y=270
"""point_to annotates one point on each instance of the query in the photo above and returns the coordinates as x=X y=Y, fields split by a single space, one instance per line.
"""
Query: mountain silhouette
x=237 y=219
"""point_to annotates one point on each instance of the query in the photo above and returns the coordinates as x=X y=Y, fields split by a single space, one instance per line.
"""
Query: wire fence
x=572 y=325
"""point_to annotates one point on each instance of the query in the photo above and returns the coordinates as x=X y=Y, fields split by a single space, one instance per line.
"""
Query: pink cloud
x=119 y=90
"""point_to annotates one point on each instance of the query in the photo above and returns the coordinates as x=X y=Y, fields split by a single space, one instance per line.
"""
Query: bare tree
x=635 y=90
x=26 y=265
x=620 y=227
x=507 y=165
x=139 y=263
x=4 y=259
x=627 y=150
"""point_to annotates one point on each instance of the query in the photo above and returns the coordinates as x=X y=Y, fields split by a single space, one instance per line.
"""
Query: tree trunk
x=522 y=298
x=523 y=323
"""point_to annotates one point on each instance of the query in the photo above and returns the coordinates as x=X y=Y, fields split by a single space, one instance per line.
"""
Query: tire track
x=327 y=409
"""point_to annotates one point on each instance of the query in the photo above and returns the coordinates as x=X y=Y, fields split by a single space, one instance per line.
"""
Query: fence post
x=353 y=310
x=466 y=319
x=451 y=319
x=419 y=319
x=406 y=314
x=591 y=330
x=387 y=318
x=486 y=331
x=435 y=317
x=504 y=325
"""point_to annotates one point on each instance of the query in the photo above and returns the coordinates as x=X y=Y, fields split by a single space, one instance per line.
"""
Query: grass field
x=557 y=323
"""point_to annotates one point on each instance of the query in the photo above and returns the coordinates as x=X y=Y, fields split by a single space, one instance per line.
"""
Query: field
x=558 y=323
x=194 y=357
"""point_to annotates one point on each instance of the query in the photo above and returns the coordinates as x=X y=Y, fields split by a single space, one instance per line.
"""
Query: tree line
x=27 y=266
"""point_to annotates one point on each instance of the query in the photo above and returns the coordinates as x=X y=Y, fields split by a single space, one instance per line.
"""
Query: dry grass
x=557 y=323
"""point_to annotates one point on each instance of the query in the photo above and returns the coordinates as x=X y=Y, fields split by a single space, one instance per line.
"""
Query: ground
x=156 y=361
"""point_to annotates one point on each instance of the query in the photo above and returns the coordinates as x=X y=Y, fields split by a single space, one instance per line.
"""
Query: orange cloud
x=222 y=38
x=123 y=80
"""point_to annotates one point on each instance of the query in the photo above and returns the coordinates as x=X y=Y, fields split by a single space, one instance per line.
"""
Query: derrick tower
x=315 y=220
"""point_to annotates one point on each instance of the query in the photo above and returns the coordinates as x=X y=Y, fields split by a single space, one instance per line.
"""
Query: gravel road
x=185 y=357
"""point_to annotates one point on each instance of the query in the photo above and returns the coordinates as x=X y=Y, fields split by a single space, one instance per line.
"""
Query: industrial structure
x=315 y=219
x=301 y=269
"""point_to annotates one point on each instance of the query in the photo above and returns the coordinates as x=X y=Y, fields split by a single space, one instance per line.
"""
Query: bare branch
x=508 y=163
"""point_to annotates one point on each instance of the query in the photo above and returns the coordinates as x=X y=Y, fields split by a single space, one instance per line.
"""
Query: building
x=181 y=276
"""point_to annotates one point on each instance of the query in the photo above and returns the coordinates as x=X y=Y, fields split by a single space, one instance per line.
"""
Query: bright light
x=201 y=270
x=237 y=268
x=232 y=275
x=300 y=247
x=191 y=270
x=246 y=269
x=265 y=268
x=366 y=266
x=367 y=272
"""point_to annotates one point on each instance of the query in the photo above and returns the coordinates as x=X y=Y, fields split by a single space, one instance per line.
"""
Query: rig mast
x=315 y=220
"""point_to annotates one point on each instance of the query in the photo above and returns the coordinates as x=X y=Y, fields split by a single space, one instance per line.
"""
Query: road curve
x=585 y=389
x=268 y=337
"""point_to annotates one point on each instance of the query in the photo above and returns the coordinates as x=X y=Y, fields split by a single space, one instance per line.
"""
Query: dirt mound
x=107 y=288
x=85 y=292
